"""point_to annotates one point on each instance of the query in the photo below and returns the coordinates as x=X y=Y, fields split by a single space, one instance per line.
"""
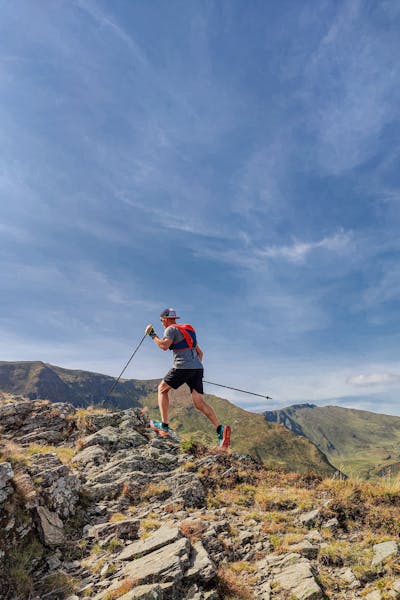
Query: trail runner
x=187 y=368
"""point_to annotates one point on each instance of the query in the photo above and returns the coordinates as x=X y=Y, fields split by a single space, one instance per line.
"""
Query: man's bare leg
x=205 y=408
x=163 y=400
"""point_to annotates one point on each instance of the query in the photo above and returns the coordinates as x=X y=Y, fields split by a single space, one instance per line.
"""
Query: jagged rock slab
x=50 y=526
x=134 y=483
x=166 y=564
x=202 y=568
x=113 y=439
x=163 y=536
x=59 y=487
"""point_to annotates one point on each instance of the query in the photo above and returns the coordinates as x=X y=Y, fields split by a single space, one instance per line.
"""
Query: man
x=187 y=368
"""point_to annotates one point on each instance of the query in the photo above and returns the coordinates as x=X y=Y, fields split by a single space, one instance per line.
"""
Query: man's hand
x=150 y=331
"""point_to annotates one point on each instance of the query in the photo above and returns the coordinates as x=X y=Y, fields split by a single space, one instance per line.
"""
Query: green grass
x=359 y=443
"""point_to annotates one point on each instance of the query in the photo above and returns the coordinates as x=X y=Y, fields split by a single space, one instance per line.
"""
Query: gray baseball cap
x=169 y=313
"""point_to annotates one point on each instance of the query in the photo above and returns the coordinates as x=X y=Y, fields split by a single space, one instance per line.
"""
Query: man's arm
x=199 y=353
x=164 y=343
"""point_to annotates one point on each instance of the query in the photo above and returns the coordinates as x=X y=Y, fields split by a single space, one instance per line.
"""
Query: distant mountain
x=80 y=388
x=358 y=442
x=251 y=434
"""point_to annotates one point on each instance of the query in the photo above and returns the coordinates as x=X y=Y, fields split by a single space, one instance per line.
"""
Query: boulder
x=383 y=551
x=50 y=527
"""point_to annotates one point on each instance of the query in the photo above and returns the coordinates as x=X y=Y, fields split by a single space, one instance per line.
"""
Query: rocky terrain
x=94 y=505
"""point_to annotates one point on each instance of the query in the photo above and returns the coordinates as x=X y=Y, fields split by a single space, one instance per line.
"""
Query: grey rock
x=396 y=585
x=187 y=489
x=148 y=592
x=384 y=551
x=314 y=536
x=299 y=580
x=95 y=455
x=331 y=524
x=309 y=518
x=50 y=527
x=53 y=562
x=305 y=548
x=125 y=530
x=6 y=475
x=264 y=591
x=293 y=574
x=163 y=536
x=166 y=564
x=347 y=576
x=202 y=568
x=107 y=437
x=374 y=595
x=59 y=486
x=113 y=438
x=245 y=537
x=93 y=422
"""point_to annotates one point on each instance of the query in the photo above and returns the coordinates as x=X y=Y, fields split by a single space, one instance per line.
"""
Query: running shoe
x=224 y=437
x=164 y=431
x=160 y=429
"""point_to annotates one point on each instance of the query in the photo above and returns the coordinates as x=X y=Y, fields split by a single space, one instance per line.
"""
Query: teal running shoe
x=224 y=437
x=163 y=431
x=160 y=428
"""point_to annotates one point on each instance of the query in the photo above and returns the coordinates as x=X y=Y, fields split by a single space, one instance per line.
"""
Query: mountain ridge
x=357 y=441
x=271 y=443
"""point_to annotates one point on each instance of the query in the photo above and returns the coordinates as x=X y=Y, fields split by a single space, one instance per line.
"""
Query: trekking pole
x=237 y=389
x=114 y=385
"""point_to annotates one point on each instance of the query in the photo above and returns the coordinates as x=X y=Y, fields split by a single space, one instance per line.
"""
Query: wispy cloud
x=254 y=257
x=372 y=379
x=298 y=251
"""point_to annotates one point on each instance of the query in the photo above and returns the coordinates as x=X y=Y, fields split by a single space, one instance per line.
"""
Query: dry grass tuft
x=231 y=585
x=126 y=586
x=155 y=490
x=192 y=529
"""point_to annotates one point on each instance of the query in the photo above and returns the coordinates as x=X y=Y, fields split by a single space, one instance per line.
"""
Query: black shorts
x=192 y=377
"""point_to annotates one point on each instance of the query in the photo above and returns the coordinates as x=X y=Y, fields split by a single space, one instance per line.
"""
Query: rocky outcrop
x=110 y=510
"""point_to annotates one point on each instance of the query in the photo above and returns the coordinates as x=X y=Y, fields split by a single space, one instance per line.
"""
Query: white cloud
x=371 y=379
x=298 y=251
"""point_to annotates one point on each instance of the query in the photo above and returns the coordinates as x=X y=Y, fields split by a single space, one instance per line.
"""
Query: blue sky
x=238 y=161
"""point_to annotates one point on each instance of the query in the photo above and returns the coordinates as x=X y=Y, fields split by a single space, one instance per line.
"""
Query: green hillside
x=358 y=442
x=272 y=443
x=80 y=388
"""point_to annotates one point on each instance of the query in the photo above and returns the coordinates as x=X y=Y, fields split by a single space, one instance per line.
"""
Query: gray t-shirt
x=183 y=359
